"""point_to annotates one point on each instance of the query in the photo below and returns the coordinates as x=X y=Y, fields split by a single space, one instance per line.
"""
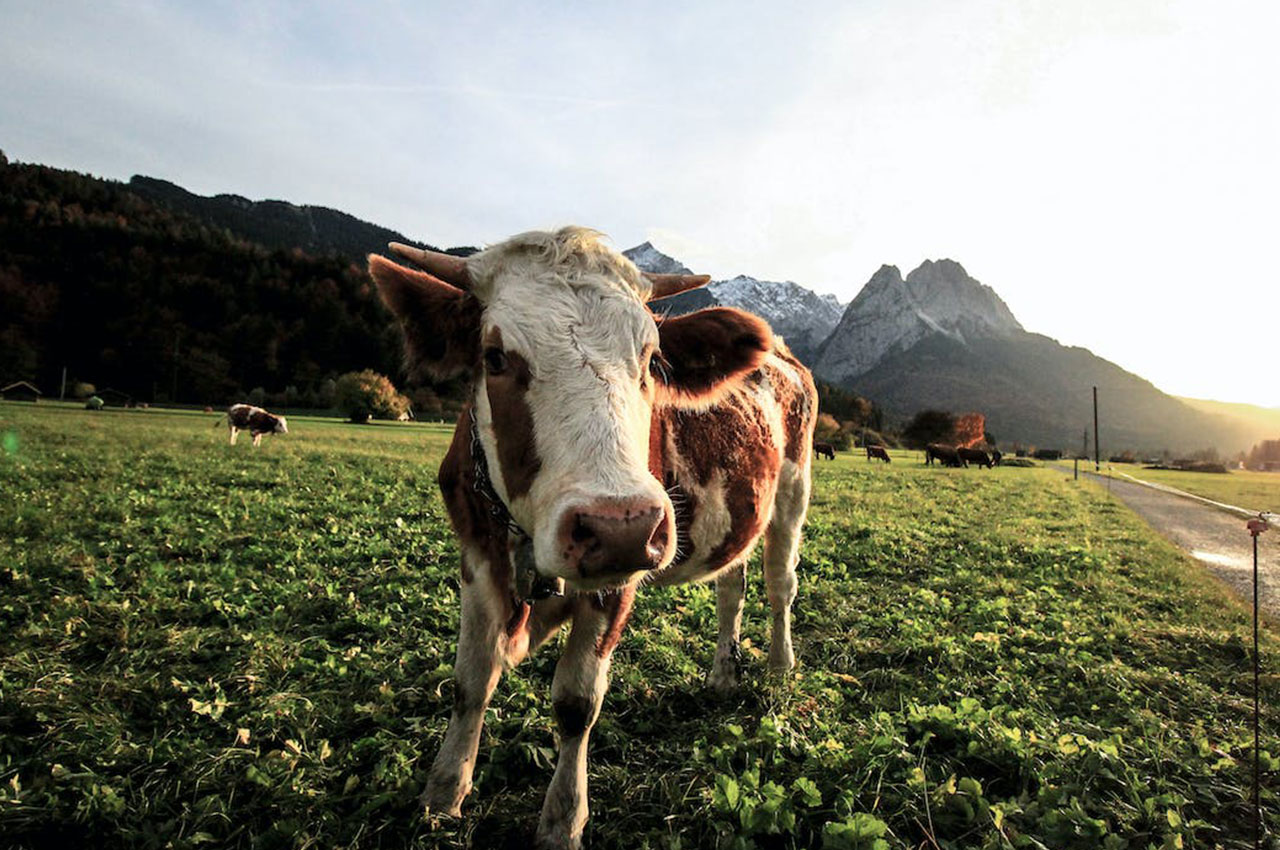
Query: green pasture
x=208 y=646
x=1255 y=491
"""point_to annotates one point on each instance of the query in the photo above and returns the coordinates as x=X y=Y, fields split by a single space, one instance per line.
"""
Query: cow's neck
x=528 y=584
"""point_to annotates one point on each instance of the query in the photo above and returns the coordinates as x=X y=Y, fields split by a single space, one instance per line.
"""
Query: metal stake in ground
x=1256 y=527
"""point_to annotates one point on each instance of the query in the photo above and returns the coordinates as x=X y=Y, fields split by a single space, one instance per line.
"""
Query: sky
x=1111 y=169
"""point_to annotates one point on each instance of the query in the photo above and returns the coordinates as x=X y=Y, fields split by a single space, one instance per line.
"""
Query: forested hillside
x=128 y=293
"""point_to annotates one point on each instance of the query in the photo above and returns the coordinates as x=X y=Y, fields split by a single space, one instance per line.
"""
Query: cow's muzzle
x=614 y=537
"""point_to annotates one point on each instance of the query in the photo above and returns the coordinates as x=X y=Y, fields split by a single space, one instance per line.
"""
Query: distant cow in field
x=978 y=456
x=995 y=457
x=878 y=452
x=598 y=449
x=255 y=420
x=945 y=455
x=824 y=450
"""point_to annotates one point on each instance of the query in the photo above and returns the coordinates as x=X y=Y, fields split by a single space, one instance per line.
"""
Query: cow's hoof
x=723 y=681
x=443 y=800
x=781 y=662
x=551 y=841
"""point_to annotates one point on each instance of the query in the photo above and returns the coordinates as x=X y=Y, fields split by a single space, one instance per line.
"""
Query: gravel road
x=1215 y=538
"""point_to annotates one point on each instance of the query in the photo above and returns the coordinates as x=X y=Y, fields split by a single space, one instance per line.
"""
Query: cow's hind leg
x=781 y=555
x=731 y=589
x=582 y=676
x=234 y=432
x=482 y=642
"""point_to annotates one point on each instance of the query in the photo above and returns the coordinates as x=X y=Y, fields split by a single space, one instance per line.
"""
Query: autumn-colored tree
x=970 y=429
x=367 y=395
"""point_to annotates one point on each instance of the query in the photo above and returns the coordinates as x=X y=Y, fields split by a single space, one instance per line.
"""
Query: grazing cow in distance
x=878 y=452
x=824 y=450
x=255 y=420
x=978 y=456
x=995 y=457
x=945 y=455
x=599 y=450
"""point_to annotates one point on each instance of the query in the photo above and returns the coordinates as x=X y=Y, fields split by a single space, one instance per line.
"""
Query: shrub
x=828 y=430
x=367 y=395
x=81 y=389
x=929 y=426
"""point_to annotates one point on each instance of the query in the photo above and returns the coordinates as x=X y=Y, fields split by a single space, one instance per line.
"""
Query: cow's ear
x=441 y=322
x=705 y=350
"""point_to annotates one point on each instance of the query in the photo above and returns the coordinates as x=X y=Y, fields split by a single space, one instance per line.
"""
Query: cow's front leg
x=257 y=438
x=731 y=589
x=482 y=641
x=582 y=676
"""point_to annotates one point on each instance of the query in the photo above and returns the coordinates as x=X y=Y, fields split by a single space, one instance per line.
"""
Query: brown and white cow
x=255 y=420
x=606 y=448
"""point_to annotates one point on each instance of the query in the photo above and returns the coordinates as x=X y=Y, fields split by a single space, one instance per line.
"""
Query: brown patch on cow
x=799 y=404
x=705 y=351
x=469 y=516
x=618 y=607
x=519 y=619
x=512 y=419
x=735 y=440
x=441 y=323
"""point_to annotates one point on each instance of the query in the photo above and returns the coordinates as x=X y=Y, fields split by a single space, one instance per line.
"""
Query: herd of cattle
x=957 y=456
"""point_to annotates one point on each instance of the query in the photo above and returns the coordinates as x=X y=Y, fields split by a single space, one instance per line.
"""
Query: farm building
x=20 y=391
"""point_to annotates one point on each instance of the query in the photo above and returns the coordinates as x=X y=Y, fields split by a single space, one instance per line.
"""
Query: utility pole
x=62 y=394
x=1097 y=455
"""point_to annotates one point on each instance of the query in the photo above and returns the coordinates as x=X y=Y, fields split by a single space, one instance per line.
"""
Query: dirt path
x=1216 y=539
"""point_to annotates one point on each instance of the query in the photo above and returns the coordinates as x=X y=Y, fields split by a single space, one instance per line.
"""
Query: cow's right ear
x=441 y=322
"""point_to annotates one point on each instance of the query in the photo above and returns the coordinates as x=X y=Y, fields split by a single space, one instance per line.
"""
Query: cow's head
x=282 y=427
x=566 y=364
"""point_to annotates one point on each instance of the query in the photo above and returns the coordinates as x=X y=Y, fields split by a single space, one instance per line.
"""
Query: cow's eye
x=495 y=361
x=658 y=366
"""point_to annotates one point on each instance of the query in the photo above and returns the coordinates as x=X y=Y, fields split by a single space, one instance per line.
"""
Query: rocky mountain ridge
x=890 y=314
x=938 y=338
x=802 y=317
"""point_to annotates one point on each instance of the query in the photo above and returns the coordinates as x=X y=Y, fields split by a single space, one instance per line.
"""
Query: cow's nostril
x=581 y=532
x=658 y=539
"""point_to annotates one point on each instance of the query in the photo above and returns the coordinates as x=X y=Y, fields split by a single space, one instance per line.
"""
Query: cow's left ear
x=704 y=350
x=441 y=322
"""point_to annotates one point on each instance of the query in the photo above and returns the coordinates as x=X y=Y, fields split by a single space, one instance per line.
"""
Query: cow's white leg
x=482 y=641
x=781 y=555
x=234 y=433
x=582 y=676
x=257 y=438
x=731 y=590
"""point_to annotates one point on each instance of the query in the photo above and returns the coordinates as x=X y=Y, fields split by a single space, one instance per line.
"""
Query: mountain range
x=939 y=339
x=223 y=294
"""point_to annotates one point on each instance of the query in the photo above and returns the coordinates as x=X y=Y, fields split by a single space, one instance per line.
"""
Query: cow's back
x=721 y=462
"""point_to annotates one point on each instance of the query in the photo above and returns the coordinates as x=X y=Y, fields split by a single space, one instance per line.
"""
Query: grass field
x=208 y=646
x=1256 y=491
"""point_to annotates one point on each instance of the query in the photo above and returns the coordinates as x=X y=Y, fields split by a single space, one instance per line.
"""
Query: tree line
x=129 y=294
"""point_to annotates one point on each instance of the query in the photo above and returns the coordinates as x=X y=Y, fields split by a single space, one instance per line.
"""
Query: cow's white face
x=282 y=427
x=559 y=344
x=564 y=405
